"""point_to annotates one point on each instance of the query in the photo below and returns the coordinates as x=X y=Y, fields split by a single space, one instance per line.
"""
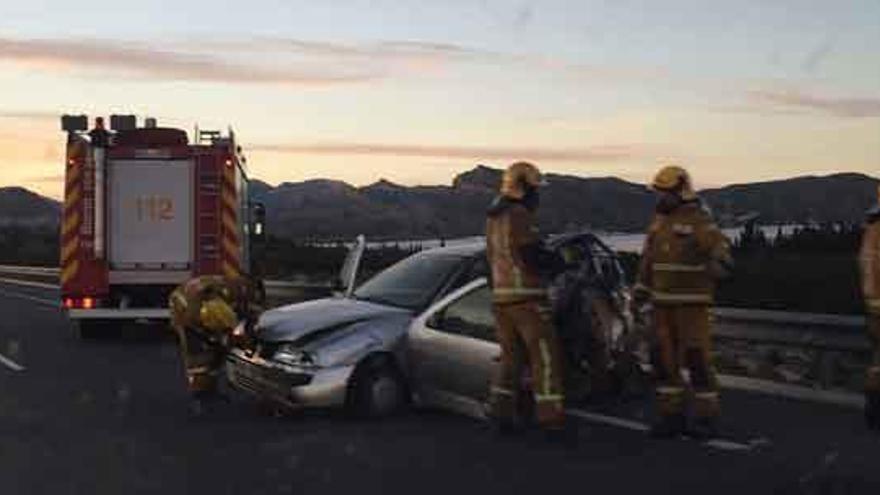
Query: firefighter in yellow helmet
x=683 y=255
x=205 y=312
x=520 y=305
x=870 y=264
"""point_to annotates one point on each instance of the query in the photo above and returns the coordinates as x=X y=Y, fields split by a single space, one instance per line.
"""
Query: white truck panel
x=151 y=214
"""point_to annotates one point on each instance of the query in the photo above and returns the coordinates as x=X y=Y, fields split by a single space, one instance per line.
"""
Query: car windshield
x=410 y=283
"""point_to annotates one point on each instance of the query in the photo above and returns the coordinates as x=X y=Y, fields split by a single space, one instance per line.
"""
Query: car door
x=453 y=349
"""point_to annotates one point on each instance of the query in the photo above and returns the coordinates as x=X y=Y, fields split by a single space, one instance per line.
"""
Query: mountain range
x=19 y=206
x=328 y=209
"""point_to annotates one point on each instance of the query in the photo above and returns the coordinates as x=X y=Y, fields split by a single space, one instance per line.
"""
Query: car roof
x=474 y=248
x=464 y=250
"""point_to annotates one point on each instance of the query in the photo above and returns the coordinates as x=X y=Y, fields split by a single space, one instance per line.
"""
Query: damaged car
x=421 y=332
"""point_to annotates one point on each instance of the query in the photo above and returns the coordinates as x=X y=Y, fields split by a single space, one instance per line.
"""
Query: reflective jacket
x=869 y=257
x=513 y=247
x=241 y=294
x=684 y=253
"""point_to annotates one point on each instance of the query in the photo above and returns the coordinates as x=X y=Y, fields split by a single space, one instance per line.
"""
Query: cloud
x=286 y=61
x=775 y=100
x=477 y=153
x=418 y=57
x=71 y=55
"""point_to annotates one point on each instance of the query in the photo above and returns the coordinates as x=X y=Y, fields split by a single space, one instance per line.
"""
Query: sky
x=416 y=91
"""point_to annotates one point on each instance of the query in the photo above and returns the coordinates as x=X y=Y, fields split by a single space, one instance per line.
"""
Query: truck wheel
x=377 y=390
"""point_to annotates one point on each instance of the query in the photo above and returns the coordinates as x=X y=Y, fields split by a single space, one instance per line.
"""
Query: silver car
x=420 y=331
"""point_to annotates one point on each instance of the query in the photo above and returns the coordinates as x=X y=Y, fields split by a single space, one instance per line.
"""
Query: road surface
x=109 y=417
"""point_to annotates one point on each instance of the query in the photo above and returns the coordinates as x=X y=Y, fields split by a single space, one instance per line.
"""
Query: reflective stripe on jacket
x=186 y=301
x=869 y=258
x=509 y=229
x=678 y=252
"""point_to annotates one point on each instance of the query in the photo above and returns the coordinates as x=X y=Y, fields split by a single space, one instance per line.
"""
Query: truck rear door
x=151 y=214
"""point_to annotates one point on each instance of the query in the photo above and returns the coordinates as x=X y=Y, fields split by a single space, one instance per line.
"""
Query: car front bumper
x=288 y=385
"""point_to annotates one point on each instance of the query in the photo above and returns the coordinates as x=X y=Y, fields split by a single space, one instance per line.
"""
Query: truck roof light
x=73 y=123
x=123 y=122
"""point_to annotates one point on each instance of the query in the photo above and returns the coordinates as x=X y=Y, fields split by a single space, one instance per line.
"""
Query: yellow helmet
x=517 y=177
x=674 y=179
x=216 y=315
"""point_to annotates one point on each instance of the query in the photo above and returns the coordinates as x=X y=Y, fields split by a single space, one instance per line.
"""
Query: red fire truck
x=144 y=210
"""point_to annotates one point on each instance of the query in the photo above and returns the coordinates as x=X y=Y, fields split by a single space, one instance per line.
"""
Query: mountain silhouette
x=329 y=209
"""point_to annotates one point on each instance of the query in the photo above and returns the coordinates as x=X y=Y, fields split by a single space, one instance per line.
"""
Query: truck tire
x=377 y=390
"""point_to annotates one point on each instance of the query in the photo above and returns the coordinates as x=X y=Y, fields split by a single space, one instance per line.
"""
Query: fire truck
x=144 y=210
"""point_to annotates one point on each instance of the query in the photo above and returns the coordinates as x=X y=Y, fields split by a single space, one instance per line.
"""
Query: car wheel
x=377 y=390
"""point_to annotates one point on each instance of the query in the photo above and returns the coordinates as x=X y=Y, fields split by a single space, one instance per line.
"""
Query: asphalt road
x=109 y=417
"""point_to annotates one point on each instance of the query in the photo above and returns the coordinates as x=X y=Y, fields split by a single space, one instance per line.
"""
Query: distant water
x=627 y=242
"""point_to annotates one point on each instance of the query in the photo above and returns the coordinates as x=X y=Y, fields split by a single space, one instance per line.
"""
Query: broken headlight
x=288 y=354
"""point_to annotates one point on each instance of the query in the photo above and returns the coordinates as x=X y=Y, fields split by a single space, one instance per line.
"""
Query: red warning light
x=68 y=303
x=228 y=162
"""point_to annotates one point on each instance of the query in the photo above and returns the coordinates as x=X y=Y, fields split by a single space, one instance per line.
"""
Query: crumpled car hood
x=294 y=322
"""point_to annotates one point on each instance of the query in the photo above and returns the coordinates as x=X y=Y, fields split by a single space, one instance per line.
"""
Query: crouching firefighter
x=205 y=313
x=684 y=254
x=521 y=308
x=870 y=264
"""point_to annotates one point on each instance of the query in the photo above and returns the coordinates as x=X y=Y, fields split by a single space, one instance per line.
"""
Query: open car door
x=348 y=273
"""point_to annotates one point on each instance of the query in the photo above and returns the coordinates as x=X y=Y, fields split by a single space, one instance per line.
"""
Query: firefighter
x=521 y=308
x=870 y=264
x=206 y=312
x=683 y=255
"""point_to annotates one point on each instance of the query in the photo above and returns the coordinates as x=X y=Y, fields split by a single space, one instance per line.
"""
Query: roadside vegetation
x=812 y=269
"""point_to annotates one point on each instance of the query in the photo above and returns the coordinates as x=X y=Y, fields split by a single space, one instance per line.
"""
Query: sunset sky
x=416 y=91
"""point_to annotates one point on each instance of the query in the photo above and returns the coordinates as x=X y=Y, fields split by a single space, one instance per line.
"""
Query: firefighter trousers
x=202 y=361
x=525 y=332
x=682 y=339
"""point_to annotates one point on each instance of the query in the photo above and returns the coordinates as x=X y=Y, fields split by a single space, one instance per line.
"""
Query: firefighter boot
x=668 y=426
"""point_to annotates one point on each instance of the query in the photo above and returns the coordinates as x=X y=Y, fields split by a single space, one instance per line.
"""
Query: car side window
x=478 y=267
x=470 y=316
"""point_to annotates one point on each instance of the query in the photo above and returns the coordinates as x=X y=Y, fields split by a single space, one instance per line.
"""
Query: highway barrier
x=814 y=350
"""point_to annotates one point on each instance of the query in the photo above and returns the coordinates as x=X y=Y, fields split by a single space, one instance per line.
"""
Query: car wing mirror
x=348 y=273
x=435 y=321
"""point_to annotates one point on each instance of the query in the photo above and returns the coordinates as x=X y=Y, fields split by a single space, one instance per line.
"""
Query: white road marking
x=629 y=424
x=609 y=420
x=29 y=283
x=45 y=302
x=10 y=363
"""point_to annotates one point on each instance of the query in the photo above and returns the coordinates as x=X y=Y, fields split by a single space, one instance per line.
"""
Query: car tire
x=377 y=390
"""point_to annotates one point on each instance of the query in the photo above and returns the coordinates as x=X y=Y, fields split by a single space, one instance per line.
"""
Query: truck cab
x=144 y=210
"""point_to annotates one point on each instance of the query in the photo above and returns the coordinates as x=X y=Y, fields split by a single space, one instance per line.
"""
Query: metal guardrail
x=29 y=270
x=823 y=338
x=810 y=330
